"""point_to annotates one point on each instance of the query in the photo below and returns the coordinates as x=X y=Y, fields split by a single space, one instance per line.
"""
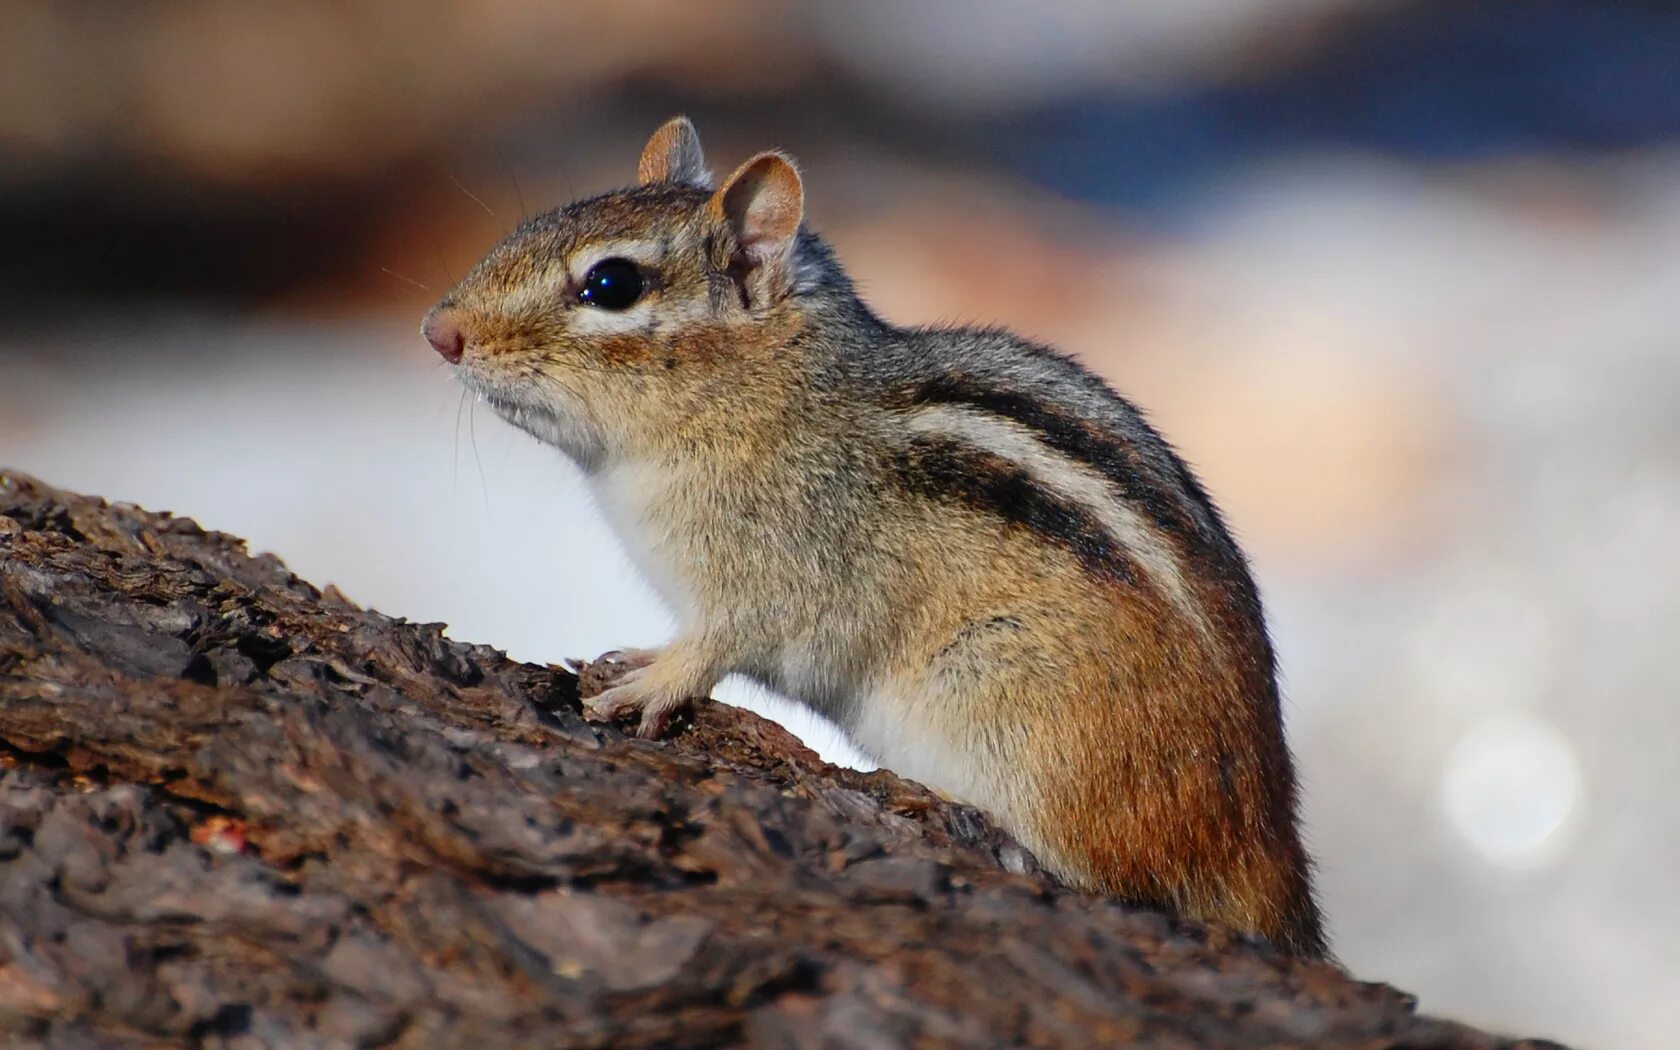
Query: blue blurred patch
x=1440 y=81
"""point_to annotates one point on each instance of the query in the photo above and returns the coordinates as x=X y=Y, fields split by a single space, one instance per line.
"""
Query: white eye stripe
x=643 y=253
x=589 y=320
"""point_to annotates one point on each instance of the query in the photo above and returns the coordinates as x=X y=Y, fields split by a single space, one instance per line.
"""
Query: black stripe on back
x=1075 y=438
x=949 y=470
x=1114 y=457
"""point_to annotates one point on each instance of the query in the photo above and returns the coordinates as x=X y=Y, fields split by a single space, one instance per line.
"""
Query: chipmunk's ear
x=673 y=155
x=763 y=203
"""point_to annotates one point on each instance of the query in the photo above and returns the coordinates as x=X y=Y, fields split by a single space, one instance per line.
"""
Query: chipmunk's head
x=596 y=322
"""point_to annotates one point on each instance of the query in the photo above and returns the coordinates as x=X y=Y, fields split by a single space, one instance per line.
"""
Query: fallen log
x=236 y=808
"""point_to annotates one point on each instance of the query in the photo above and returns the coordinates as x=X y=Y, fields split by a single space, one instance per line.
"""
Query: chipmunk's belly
x=810 y=670
x=907 y=730
x=907 y=718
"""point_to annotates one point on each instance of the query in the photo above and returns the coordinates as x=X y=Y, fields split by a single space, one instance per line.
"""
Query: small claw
x=635 y=688
x=629 y=657
x=657 y=716
x=613 y=704
x=612 y=669
x=619 y=701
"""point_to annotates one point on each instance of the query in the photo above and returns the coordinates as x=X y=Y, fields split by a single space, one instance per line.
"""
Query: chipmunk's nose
x=443 y=331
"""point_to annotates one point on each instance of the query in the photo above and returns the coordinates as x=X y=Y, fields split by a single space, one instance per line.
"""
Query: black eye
x=612 y=284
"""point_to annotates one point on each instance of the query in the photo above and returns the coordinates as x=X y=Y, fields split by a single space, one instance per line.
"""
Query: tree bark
x=235 y=809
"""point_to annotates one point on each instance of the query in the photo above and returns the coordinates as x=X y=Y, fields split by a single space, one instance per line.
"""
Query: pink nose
x=443 y=331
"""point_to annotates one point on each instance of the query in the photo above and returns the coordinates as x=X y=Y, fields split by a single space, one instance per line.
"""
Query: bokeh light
x=1509 y=787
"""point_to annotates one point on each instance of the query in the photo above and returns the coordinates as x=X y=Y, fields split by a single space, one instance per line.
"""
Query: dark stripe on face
x=948 y=470
x=1075 y=438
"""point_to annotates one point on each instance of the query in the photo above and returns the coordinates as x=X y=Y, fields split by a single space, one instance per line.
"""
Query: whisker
x=455 y=460
x=438 y=257
x=406 y=280
x=442 y=404
x=518 y=194
x=473 y=198
x=524 y=213
x=571 y=190
x=472 y=434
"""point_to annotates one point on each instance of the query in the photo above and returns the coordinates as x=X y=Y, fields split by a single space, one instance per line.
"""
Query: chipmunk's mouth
x=552 y=416
x=498 y=396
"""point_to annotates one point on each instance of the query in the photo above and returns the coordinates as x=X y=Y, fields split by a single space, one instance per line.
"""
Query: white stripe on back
x=1073 y=481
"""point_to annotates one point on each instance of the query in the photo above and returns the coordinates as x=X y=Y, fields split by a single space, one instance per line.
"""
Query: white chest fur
x=637 y=500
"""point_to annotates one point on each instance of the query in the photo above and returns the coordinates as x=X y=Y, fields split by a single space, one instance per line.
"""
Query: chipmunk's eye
x=612 y=284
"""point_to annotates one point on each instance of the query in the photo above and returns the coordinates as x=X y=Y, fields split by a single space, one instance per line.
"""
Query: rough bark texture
x=236 y=809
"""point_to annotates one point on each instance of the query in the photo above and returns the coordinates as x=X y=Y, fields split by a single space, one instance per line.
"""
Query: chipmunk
x=961 y=547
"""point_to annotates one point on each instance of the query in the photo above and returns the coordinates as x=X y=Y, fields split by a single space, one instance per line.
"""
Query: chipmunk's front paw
x=641 y=683
x=634 y=694
x=596 y=676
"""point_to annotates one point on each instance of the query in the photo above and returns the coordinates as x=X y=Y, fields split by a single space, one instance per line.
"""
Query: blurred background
x=1400 y=278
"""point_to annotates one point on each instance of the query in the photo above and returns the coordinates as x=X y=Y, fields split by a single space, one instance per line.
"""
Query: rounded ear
x=763 y=203
x=673 y=155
